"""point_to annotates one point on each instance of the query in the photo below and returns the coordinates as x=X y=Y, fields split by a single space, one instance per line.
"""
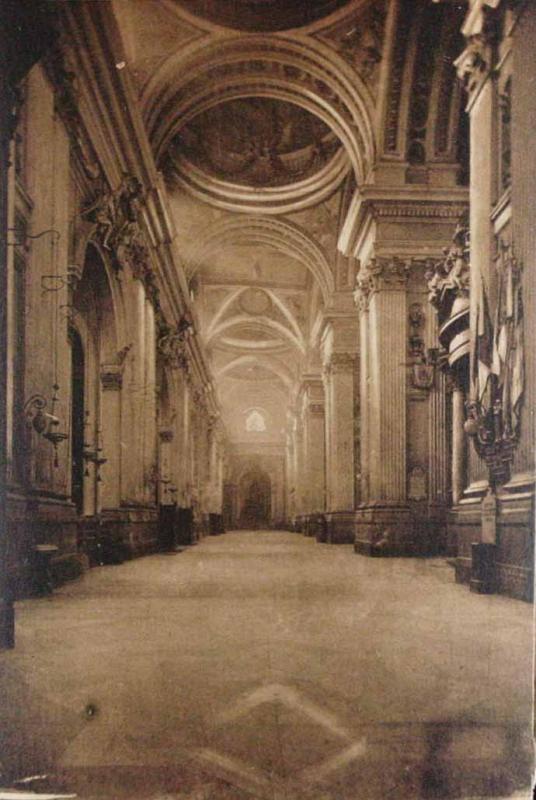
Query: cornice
x=399 y=203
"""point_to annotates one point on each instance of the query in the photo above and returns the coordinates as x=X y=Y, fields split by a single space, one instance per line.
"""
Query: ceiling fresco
x=256 y=141
x=261 y=15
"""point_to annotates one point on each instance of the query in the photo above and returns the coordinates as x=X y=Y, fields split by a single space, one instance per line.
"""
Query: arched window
x=255 y=422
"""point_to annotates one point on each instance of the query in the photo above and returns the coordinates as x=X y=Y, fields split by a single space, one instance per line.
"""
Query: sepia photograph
x=267 y=399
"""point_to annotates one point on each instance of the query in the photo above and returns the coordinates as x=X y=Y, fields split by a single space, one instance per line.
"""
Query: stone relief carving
x=171 y=345
x=417 y=489
x=476 y=60
x=416 y=320
x=117 y=216
x=451 y=275
x=359 y=40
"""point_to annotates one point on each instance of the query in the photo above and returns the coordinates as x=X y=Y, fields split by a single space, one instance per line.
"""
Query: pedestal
x=339 y=527
x=384 y=530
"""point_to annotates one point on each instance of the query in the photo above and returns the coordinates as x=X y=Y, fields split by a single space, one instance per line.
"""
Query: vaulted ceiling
x=264 y=116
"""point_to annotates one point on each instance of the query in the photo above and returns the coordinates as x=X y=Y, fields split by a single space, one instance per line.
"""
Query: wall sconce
x=45 y=423
x=21 y=236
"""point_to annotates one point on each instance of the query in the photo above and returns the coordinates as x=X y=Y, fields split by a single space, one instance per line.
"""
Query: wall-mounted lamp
x=45 y=423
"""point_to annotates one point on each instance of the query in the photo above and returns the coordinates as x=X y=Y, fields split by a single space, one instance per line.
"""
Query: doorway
x=256 y=500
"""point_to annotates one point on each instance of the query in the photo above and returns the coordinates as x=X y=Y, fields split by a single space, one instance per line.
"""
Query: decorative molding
x=424 y=210
x=59 y=63
x=430 y=30
x=394 y=93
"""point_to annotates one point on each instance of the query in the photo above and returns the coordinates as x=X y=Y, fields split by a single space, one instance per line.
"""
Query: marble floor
x=265 y=665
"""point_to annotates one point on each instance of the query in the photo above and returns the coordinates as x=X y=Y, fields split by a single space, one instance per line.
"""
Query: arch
x=235 y=295
x=265 y=324
x=300 y=70
x=282 y=236
x=264 y=361
x=86 y=245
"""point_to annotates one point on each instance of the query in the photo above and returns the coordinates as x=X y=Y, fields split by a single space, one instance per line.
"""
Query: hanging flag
x=483 y=352
x=508 y=356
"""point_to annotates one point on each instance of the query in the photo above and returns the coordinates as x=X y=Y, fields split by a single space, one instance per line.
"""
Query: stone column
x=340 y=407
x=315 y=466
x=165 y=495
x=290 y=478
x=149 y=406
x=384 y=522
x=362 y=301
x=111 y=376
x=299 y=472
x=459 y=444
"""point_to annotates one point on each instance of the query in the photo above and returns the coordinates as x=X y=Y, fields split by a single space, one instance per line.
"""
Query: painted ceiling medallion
x=255 y=301
x=257 y=153
x=262 y=15
x=257 y=141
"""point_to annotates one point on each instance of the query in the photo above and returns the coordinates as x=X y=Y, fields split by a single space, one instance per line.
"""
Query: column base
x=339 y=527
x=385 y=530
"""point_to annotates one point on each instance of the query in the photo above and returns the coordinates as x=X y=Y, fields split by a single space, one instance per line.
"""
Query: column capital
x=383 y=273
x=111 y=376
x=340 y=363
